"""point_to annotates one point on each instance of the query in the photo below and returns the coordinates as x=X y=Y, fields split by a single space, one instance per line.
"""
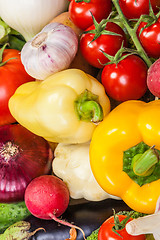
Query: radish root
x=67 y=224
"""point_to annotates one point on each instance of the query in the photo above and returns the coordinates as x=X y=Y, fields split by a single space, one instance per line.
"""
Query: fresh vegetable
x=8 y=35
x=114 y=228
x=65 y=19
x=47 y=197
x=12 y=75
x=125 y=79
x=40 y=14
x=88 y=215
x=18 y=231
x=149 y=37
x=153 y=78
x=134 y=9
x=94 y=234
x=50 y=51
x=64 y=108
x=23 y=156
x=119 y=151
x=71 y=164
x=146 y=224
x=101 y=37
x=80 y=11
x=78 y=61
x=73 y=234
x=132 y=32
x=11 y=213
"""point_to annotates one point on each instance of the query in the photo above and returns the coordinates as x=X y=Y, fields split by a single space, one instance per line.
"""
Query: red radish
x=153 y=78
x=47 y=197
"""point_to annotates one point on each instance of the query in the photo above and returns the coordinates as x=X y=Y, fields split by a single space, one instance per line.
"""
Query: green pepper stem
x=143 y=164
x=132 y=33
x=88 y=107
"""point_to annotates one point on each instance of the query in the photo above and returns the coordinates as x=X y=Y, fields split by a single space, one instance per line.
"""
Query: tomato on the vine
x=92 y=51
x=134 y=9
x=12 y=75
x=125 y=80
x=106 y=231
x=150 y=38
x=80 y=11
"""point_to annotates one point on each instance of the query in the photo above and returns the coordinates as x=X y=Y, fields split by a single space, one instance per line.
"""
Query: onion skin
x=23 y=156
x=29 y=16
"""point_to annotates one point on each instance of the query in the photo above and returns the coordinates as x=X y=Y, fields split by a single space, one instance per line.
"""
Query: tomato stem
x=119 y=225
x=1 y=56
x=133 y=35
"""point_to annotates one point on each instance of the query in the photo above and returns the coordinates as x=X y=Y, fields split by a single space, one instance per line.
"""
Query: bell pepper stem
x=143 y=164
x=88 y=107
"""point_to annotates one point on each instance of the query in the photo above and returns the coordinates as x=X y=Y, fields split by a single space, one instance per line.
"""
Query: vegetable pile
x=79 y=103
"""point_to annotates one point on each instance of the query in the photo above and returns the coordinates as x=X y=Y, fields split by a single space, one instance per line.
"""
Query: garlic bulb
x=50 y=51
x=29 y=16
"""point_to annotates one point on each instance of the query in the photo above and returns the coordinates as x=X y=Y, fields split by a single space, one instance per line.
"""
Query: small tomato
x=106 y=231
x=126 y=80
x=150 y=38
x=134 y=9
x=106 y=42
x=80 y=11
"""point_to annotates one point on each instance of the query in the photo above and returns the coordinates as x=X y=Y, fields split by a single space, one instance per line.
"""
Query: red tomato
x=110 y=44
x=134 y=9
x=12 y=75
x=106 y=232
x=80 y=12
x=150 y=38
x=126 y=80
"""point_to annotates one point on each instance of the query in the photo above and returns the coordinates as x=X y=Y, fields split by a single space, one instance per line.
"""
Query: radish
x=153 y=78
x=47 y=197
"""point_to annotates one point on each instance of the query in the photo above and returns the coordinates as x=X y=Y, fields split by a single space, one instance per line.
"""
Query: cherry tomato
x=80 y=12
x=110 y=44
x=150 y=38
x=106 y=232
x=12 y=75
x=126 y=80
x=134 y=9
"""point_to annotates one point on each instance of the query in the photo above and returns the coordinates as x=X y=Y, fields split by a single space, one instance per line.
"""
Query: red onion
x=23 y=156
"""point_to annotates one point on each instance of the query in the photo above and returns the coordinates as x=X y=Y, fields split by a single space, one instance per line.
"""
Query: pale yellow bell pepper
x=66 y=107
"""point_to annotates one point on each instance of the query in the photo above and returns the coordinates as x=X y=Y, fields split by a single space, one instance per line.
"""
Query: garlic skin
x=28 y=17
x=50 y=51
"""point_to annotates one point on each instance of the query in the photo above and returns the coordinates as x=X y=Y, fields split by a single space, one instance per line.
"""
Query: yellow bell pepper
x=65 y=107
x=124 y=154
